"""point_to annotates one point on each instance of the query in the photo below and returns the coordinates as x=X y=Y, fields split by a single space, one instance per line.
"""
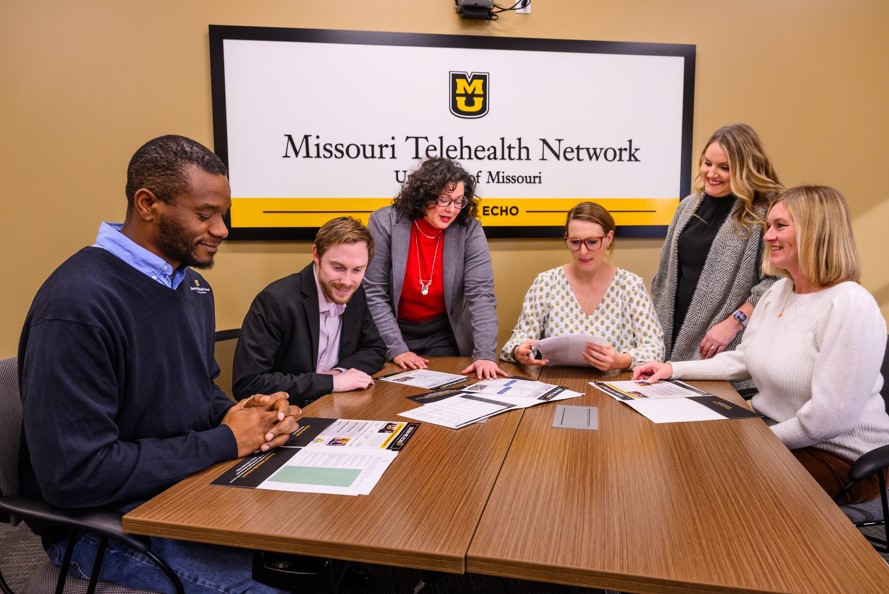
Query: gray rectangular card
x=576 y=417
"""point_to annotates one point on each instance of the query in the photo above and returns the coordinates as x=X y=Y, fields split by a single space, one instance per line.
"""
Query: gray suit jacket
x=468 y=283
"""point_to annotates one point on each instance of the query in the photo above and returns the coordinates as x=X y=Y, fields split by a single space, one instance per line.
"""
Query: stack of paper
x=458 y=407
x=672 y=401
x=338 y=456
x=424 y=378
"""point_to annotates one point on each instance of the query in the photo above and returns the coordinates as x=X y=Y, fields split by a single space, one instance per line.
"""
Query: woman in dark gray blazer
x=430 y=286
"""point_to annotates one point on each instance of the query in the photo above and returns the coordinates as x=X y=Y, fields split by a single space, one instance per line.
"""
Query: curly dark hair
x=427 y=181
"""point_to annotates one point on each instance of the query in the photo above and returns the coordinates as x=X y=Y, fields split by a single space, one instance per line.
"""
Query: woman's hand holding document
x=567 y=349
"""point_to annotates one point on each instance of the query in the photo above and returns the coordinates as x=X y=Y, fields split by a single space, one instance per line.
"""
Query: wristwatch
x=740 y=317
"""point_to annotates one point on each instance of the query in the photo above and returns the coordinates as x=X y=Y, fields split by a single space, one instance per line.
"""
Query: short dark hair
x=343 y=230
x=161 y=164
x=427 y=181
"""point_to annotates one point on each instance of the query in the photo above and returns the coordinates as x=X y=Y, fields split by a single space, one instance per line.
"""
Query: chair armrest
x=869 y=463
x=106 y=522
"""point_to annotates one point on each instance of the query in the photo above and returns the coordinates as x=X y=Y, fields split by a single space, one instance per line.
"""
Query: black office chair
x=224 y=351
x=875 y=512
x=15 y=508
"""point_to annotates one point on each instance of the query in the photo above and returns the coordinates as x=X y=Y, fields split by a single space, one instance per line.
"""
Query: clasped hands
x=262 y=422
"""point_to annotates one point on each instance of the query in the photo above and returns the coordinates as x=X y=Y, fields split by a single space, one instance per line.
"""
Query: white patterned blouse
x=625 y=317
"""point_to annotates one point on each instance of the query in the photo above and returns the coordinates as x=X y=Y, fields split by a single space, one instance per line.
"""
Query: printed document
x=424 y=378
x=336 y=456
x=461 y=406
x=567 y=349
x=672 y=401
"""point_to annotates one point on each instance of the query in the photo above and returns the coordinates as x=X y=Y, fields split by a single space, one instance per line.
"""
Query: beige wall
x=83 y=84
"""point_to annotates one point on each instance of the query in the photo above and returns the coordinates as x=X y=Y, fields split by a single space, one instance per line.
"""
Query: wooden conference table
x=685 y=507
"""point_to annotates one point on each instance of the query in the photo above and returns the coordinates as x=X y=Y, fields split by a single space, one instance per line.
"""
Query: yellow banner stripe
x=494 y=212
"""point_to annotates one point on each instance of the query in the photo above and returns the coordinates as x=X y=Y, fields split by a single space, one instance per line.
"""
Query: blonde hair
x=592 y=212
x=753 y=179
x=824 y=240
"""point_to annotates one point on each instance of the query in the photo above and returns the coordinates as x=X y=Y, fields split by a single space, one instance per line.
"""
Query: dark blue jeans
x=203 y=568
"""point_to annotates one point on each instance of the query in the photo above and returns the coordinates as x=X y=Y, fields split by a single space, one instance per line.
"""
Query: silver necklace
x=424 y=285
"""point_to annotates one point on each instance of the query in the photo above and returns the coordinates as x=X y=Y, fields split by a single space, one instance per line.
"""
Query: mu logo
x=470 y=94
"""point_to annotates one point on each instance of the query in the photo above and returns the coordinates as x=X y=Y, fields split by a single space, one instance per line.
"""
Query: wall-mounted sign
x=314 y=124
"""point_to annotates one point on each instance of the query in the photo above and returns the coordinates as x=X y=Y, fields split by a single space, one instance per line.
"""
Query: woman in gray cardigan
x=430 y=285
x=710 y=276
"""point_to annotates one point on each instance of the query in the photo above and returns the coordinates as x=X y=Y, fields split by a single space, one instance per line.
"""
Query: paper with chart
x=461 y=406
x=460 y=409
x=336 y=456
x=522 y=389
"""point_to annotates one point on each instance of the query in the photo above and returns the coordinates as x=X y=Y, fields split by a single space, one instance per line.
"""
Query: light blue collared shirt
x=110 y=238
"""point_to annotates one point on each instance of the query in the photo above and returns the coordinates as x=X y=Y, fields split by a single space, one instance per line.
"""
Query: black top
x=694 y=247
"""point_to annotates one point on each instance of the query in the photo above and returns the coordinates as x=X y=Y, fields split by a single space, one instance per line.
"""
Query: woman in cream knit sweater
x=814 y=344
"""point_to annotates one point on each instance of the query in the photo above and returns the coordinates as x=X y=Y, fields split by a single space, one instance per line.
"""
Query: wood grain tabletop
x=716 y=506
x=421 y=514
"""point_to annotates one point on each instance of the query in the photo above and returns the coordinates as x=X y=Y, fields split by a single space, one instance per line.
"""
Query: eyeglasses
x=591 y=243
x=446 y=201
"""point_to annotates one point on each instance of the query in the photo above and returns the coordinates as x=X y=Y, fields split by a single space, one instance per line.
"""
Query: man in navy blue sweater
x=116 y=366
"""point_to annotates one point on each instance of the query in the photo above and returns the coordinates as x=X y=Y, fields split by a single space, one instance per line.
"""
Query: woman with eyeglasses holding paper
x=592 y=296
x=430 y=286
x=813 y=346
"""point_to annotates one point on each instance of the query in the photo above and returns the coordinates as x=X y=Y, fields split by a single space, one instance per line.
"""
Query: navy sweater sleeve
x=118 y=399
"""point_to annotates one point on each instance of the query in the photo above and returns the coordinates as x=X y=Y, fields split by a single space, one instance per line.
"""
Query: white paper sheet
x=424 y=378
x=630 y=389
x=462 y=409
x=673 y=410
x=324 y=470
x=567 y=349
x=519 y=388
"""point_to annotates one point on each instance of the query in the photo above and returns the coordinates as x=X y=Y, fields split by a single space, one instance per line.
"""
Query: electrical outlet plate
x=524 y=7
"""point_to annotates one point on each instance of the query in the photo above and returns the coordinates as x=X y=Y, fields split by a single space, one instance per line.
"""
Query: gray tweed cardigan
x=732 y=275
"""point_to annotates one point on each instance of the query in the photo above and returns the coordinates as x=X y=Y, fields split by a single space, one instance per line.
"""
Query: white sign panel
x=316 y=124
